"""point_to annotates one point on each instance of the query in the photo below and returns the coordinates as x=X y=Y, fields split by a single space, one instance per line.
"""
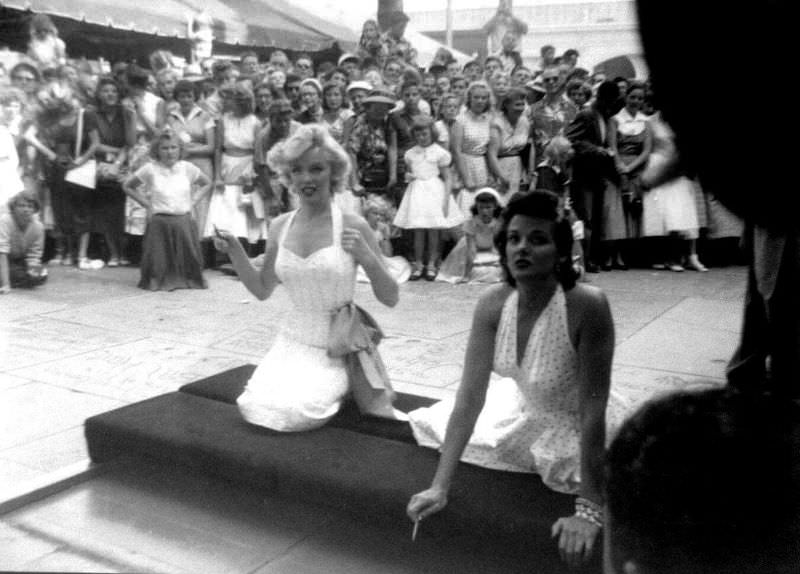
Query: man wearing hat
x=351 y=64
x=535 y=90
x=368 y=145
x=279 y=128
x=356 y=92
x=473 y=70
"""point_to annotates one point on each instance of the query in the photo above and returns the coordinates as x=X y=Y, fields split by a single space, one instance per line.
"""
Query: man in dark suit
x=765 y=197
x=592 y=166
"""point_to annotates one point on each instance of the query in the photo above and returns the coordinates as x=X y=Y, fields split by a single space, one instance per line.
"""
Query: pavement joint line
x=48 y=361
x=658 y=316
x=43 y=437
x=286 y=551
x=735 y=332
x=681 y=373
x=97 y=554
x=81 y=306
x=52 y=483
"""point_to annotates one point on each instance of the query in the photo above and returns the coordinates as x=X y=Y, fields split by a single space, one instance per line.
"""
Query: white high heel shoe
x=693 y=262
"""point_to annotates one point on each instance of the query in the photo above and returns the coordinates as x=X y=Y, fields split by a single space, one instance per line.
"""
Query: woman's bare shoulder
x=586 y=298
x=277 y=224
x=491 y=301
x=588 y=308
x=353 y=220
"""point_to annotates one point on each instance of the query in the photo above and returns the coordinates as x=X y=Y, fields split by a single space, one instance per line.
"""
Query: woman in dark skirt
x=116 y=128
x=66 y=138
x=171 y=255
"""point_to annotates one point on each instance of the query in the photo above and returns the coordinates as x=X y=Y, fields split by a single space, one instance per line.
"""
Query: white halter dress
x=297 y=386
x=531 y=419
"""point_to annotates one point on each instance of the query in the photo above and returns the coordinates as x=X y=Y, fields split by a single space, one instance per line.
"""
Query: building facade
x=598 y=29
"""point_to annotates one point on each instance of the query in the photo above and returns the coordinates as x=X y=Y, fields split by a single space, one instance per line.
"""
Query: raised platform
x=363 y=466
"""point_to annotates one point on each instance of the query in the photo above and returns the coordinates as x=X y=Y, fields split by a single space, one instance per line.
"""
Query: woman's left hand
x=576 y=539
x=355 y=244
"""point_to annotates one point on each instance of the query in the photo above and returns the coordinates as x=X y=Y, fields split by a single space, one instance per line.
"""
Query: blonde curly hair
x=281 y=157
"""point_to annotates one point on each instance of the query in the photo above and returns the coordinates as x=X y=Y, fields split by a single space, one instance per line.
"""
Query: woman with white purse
x=67 y=139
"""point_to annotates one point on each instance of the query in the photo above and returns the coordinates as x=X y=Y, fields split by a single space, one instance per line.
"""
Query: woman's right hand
x=223 y=240
x=425 y=503
x=64 y=161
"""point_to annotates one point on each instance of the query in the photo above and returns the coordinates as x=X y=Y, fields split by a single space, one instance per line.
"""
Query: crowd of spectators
x=495 y=124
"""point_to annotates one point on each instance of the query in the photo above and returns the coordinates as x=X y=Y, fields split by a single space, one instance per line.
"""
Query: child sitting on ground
x=376 y=210
x=21 y=244
x=475 y=259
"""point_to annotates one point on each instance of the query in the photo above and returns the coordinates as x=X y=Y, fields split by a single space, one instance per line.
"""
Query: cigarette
x=416 y=529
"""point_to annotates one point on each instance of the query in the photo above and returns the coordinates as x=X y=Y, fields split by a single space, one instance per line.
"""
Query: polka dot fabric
x=530 y=422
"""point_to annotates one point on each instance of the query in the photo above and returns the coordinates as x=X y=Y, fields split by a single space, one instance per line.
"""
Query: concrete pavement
x=90 y=341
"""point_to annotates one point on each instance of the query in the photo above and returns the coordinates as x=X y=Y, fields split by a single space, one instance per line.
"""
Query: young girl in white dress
x=427 y=206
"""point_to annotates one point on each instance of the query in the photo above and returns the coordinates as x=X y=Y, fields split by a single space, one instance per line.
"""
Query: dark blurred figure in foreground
x=705 y=482
x=673 y=41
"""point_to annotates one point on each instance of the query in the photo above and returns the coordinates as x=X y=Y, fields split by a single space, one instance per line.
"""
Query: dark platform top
x=366 y=466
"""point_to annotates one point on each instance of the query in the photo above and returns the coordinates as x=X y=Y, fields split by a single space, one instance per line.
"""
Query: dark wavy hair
x=107 y=81
x=486 y=198
x=543 y=205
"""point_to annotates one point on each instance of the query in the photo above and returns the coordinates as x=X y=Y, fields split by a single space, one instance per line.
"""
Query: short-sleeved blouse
x=169 y=188
x=426 y=161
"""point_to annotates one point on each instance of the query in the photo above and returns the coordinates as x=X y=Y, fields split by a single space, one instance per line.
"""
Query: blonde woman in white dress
x=313 y=252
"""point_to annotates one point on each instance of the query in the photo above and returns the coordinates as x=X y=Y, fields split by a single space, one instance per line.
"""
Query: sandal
x=416 y=272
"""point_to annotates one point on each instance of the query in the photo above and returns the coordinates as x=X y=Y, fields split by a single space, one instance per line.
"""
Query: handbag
x=85 y=175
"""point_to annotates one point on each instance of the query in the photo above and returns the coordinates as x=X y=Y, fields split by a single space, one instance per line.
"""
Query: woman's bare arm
x=260 y=283
x=367 y=253
x=458 y=157
x=468 y=404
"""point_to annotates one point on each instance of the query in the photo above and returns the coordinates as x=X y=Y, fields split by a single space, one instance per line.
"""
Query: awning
x=265 y=23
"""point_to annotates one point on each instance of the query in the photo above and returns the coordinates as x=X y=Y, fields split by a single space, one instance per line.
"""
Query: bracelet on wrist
x=589 y=511
x=586 y=502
